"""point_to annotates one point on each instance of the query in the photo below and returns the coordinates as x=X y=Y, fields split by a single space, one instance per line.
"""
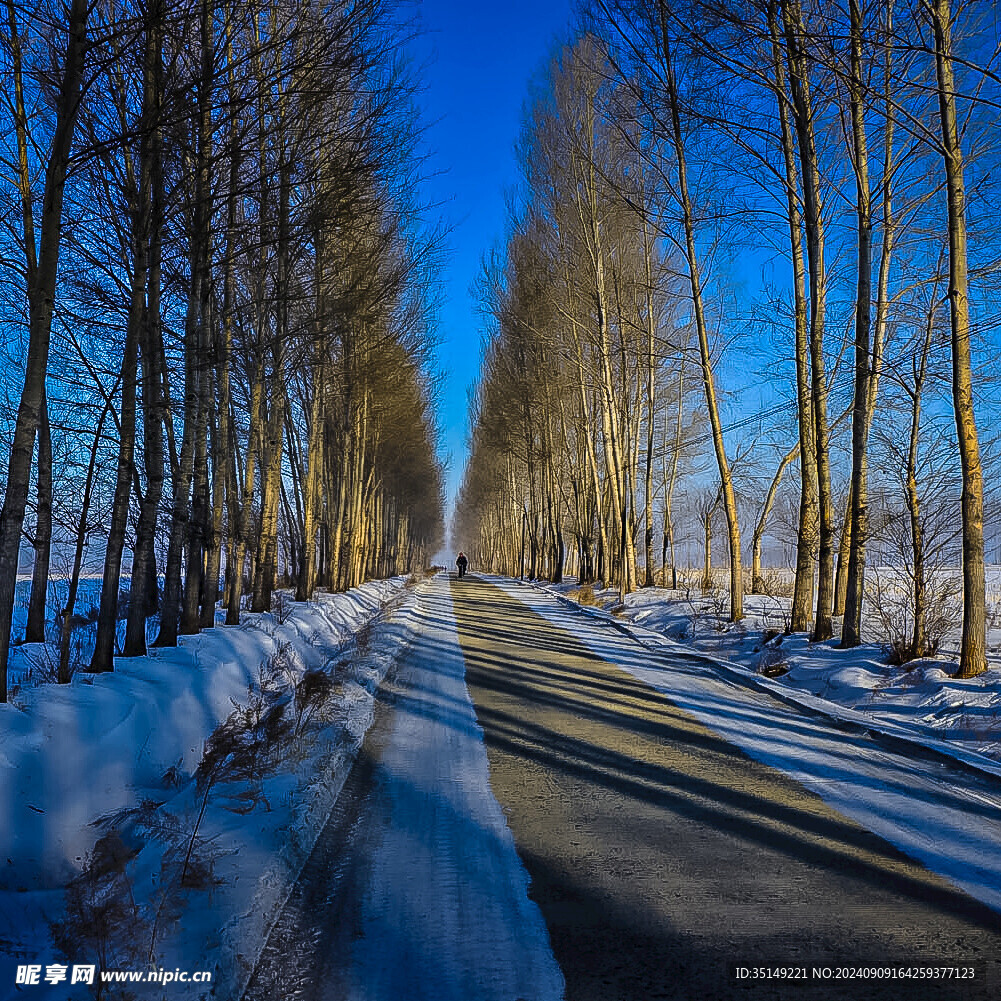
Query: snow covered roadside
x=443 y=911
x=919 y=701
x=947 y=820
x=123 y=748
x=267 y=848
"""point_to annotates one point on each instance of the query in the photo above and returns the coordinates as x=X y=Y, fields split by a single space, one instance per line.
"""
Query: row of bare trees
x=218 y=290
x=716 y=188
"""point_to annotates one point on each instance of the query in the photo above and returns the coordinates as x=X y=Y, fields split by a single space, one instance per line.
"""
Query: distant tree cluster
x=217 y=299
x=674 y=150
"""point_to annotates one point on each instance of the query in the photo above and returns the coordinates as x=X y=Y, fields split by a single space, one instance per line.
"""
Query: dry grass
x=583 y=595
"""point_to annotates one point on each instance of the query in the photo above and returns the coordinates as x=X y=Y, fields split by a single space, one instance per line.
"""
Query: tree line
x=218 y=298
x=716 y=188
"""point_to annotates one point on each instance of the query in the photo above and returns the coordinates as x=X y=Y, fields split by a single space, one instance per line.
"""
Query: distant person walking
x=461 y=562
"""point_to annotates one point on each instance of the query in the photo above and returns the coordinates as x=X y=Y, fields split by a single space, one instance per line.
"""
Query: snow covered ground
x=188 y=866
x=921 y=697
x=103 y=771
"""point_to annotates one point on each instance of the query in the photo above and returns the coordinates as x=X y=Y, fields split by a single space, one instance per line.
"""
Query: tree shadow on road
x=661 y=854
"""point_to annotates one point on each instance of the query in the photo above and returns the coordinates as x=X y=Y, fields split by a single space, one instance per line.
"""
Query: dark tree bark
x=144 y=590
x=35 y=629
x=66 y=614
x=41 y=273
x=104 y=646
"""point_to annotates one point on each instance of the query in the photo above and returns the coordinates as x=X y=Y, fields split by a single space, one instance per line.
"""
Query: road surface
x=661 y=858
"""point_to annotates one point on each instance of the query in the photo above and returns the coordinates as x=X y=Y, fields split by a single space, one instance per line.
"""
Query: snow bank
x=268 y=852
x=920 y=701
x=72 y=756
x=73 y=753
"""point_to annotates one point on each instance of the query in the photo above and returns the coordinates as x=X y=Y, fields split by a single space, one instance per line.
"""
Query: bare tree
x=973 y=653
x=41 y=267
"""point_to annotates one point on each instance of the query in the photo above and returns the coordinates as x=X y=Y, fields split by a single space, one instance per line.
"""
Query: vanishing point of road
x=660 y=856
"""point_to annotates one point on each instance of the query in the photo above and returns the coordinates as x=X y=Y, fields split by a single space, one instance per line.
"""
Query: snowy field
x=179 y=797
x=180 y=852
x=921 y=697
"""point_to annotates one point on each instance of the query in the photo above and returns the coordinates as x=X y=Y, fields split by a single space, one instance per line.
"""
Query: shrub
x=771 y=663
x=281 y=605
x=891 y=598
x=102 y=920
x=776 y=584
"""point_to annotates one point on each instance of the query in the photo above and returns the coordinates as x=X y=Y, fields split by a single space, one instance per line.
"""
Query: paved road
x=414 y=891
x=661 y=856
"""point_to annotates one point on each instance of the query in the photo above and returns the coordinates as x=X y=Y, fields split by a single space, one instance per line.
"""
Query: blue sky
x=479 y=58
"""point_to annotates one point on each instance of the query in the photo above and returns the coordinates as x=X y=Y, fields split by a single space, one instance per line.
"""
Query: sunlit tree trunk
x=973 y=652
x=803 y=119
x=729 y=497
x=851 y=632
x=806 y=536
x=651 y=382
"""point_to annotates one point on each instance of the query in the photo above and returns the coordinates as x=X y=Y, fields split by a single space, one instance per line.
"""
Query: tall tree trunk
x=803 y=119
x=707 y=532
x=188 y=516
x=311 y=499
x=143 y=598
x=844 y=548
x=851 y=631
x=807 y=532
x=183 y=472
x=607 y=394
x=66 y=614
x=267 y=563
x=199 y=526
x=35 y=629
x=651 y=330
x=672 y=481
x=139 y=188
x=973 y=652
x=265 y=567
x=197 y=529
x=219 y=438
x=243 y=527
x=919 y=635
x=729 y=496
x=41 y=285
x=107 y=622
